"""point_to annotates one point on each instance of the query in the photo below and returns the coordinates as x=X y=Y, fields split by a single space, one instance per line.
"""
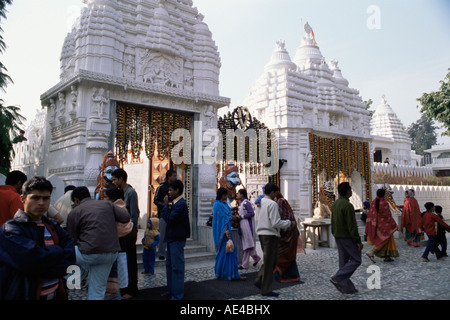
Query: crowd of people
x=379 y=230
x=39 y=241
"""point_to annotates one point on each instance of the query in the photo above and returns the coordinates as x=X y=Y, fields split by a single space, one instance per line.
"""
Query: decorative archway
x=251 y=152
x=338 y=158
x=144 y=131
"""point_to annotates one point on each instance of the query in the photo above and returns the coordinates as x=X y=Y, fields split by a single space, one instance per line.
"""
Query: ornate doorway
x=145 y=131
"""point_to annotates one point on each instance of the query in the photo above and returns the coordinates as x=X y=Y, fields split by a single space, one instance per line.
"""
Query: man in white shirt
x=268 y=230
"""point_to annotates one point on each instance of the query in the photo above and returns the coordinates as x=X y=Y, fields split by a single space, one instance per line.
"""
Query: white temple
x=302 y=96
x=156 y=60
x=153 y=56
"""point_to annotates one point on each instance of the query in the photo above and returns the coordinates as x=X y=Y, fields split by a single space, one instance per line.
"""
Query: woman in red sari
x=286 y=269
x=380 y=227
x=411 y=220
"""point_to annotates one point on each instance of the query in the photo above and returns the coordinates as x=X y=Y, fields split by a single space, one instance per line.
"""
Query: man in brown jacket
x=92 y=223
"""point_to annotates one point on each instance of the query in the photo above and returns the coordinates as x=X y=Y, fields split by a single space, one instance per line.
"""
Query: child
x=440 y=236
x=150 y=241
x=429 y=219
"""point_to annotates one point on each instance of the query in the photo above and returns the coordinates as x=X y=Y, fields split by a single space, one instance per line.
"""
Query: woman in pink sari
x=380 y=227
x=411 y=220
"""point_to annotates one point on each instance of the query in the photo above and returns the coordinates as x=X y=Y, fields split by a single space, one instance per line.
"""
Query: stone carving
x=73 y=101
x=210 y=116
x=100 y=97
x=129 y=66
x=52 y=108
x=61 y=107
x=159 y=69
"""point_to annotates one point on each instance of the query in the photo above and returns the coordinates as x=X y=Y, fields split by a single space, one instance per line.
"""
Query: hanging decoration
x=142 y=129
x=339 y=156
x=241 y=118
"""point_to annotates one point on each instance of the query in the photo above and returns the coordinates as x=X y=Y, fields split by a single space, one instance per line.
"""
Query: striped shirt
x=48 y=285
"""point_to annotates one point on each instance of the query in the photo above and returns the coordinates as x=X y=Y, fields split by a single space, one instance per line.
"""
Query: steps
x=195 y=254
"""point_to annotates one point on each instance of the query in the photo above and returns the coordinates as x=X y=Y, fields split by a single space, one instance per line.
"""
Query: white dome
x=308 y=51
x=385 y=123
x=280 y=59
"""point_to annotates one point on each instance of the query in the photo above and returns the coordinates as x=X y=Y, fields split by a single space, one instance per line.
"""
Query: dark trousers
x=130 y=249
x=432 y=244
x=269 y=246
x=349 y=261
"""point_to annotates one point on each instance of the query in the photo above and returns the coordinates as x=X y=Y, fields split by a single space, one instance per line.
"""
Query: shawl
x=221 y=221
x=411 y=215
x=287 y=243
x=380 y=225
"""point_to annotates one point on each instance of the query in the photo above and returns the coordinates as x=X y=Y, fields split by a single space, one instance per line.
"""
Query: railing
x=400 y=170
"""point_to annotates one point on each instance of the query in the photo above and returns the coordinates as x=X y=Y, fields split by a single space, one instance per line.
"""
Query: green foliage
x=422 y=134
x=10 y=118
x=436 y=105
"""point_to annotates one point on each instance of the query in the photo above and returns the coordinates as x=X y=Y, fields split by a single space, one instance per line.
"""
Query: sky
x=396 y=48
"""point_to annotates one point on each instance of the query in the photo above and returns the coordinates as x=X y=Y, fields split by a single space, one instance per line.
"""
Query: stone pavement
x=407 y=278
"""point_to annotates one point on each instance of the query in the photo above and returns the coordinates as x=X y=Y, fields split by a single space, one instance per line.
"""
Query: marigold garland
x=334 y=155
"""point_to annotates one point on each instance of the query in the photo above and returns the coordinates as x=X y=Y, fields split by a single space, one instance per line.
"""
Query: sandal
x=371 y=257
x=388 y=259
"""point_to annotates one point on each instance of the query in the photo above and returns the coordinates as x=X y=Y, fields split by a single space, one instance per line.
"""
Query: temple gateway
x=139 y=89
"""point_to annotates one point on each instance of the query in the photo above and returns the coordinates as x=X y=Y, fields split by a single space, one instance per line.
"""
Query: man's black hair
x=36 y=183
x=15 y=176
x=343 y=188
x=80 y=193
x=120 y=173
x=429 y=205
x=271 y=187
x=177 y=185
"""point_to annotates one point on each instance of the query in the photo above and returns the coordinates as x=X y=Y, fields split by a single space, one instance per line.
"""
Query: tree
x=422 y=134
x=10 y=121
x=436 y=105
x=368 y=104
x=10 y=118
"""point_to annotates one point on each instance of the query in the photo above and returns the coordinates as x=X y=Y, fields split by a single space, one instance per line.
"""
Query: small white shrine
x=390 y=139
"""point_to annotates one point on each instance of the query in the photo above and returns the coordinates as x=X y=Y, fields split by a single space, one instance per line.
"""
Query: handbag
x=230 y=246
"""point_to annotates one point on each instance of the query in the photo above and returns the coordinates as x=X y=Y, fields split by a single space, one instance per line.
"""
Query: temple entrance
x=251 y=148
x=157 y=174
x=144 y=144
x=336 y=160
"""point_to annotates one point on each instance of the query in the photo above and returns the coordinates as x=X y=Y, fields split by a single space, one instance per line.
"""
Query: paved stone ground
x=407 y=278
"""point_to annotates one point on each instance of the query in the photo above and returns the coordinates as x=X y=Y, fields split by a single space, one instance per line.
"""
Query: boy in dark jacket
x=178 y=230
x=429 y=220
x=35 y=251
x=440 y=236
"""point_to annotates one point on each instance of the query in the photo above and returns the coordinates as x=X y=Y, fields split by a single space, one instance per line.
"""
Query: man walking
x=35 y=251
x=160 y=194
x=92 y=223
x=10 y=200
x=268 y=230
x=348 y=240
x=119 y=179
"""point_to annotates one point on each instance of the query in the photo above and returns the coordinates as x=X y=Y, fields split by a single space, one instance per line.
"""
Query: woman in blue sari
x=226 y=266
